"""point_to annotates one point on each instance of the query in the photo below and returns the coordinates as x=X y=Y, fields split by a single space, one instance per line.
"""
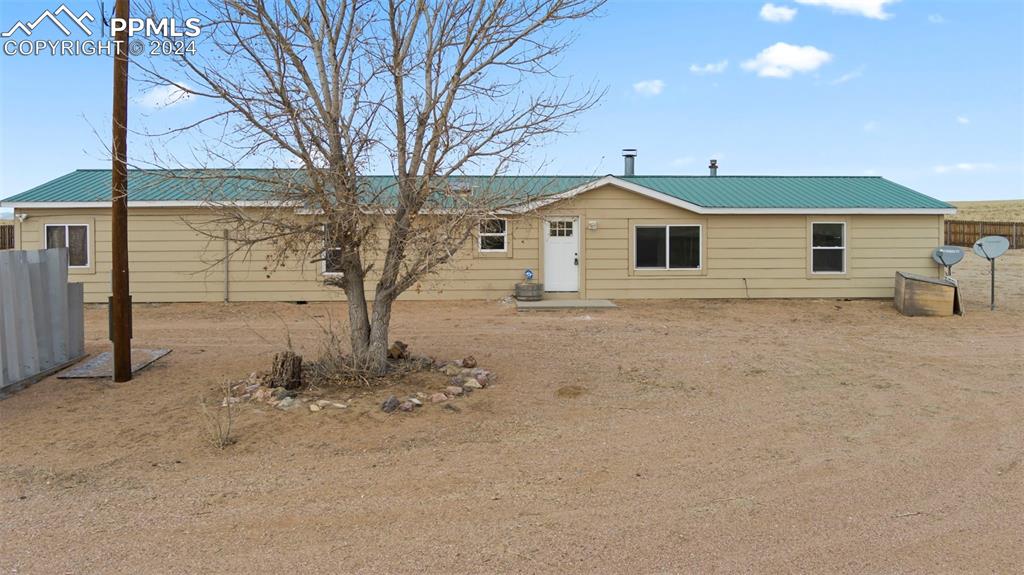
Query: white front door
x=561 y=254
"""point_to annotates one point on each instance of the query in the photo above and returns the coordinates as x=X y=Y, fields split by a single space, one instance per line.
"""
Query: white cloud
x=872 y=126
x=964 y=167
x=649 y=87
x=772 y=13
x=781 y=60
x=852 y=75
x=963 y=120
x=711 y=68
x=867 y=8
x=163 y=97
x=936 y=18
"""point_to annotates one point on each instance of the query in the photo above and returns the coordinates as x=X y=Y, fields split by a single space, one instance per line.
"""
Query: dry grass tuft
x=219 y=418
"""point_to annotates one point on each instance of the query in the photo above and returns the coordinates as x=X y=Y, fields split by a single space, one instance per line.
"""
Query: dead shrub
x=334 y=368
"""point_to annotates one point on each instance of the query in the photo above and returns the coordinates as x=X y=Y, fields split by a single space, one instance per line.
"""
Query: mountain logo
x=52 y=17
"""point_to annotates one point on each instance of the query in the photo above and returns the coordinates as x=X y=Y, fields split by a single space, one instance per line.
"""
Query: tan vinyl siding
x=170 y=261
x=748 y=255
x=743 y=256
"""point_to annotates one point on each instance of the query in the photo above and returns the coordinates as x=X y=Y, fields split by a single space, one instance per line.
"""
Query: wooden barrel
x=529 y=292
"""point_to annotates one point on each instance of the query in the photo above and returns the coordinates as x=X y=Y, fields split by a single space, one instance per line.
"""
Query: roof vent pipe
x=629 y=155
x=713 y=166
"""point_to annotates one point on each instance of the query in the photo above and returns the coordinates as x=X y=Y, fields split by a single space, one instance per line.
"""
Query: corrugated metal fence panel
x=966 y=232
x=41 y=316
x=6 y=237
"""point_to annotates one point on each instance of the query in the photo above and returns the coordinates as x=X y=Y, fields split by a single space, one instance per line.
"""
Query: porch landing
x=552 y=304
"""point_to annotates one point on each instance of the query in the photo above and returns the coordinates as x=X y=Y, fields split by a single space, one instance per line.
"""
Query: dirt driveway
x=709 y=436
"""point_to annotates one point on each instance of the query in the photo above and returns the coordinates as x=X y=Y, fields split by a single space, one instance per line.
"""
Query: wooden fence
x=966 y=232
x=41 y=316
x=6 y=237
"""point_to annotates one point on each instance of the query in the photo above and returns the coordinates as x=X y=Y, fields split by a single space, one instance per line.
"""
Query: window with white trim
x=560 y=228
x=74 y=237
x=493 y=235
x=332 y=251
x=668 y=247
x=828 y=247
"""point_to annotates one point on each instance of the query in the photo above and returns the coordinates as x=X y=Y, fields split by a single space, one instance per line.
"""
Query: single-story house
x=614 y=237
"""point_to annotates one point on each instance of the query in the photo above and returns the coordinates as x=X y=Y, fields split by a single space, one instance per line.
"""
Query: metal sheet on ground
x=101 y=366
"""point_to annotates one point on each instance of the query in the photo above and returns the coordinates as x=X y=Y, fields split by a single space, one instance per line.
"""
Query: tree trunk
x=377 y=354
x=358 y=318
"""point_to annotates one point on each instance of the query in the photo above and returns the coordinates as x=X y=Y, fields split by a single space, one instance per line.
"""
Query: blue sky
x=928 y=94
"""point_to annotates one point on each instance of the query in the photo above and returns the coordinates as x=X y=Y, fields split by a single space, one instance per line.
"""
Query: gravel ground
x=663 y=436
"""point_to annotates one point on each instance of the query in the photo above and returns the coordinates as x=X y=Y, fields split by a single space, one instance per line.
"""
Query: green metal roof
x=789 y=192
x=721 y=192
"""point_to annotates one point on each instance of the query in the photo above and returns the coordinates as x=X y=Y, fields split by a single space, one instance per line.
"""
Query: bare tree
x=435 y=89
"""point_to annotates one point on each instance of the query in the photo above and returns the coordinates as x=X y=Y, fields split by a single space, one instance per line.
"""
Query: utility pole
x=120 y=302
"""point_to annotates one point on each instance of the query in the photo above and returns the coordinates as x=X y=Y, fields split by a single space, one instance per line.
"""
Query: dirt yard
x=670 y=436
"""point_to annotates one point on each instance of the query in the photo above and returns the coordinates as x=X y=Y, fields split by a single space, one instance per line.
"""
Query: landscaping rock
x=472 y=384
x=454 y=390
x=469 y=361
x=451 y=369
x=314 y=407
x=280 y=393
x=398 y=350
x=339 y=405
x=438 y=398
x=390 y=404
x=322 y=403
x=415 y=401
x=422 y=362
x=286 y=403
x=407 y=406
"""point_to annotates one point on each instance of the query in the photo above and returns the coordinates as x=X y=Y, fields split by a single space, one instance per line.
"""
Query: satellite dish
x=948 y=256
x=991 y=247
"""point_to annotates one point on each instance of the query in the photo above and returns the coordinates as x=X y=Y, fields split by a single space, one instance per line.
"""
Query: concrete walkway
x=550 y=304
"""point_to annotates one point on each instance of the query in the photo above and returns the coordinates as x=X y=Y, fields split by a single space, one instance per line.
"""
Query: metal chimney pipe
x=629 y=155
x=713 y=166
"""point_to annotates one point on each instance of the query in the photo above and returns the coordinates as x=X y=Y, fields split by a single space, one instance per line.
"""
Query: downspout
x=227 y=257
